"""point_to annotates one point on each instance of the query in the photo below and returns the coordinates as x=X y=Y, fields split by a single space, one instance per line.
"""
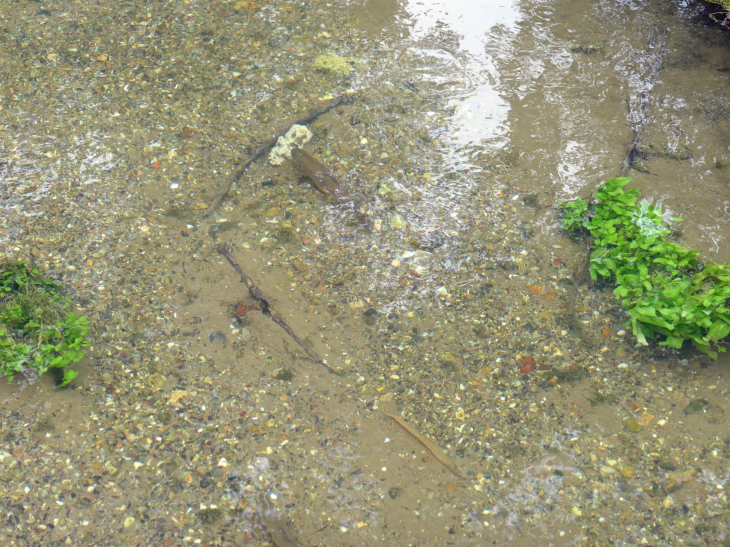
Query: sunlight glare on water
x=457 y=34
x=459 y=45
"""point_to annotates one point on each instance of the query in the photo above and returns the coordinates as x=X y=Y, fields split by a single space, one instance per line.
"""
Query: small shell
x=218 y=335
x=156 y=381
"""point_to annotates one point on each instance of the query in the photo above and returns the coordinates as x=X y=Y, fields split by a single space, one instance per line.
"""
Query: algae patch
x=335 y=64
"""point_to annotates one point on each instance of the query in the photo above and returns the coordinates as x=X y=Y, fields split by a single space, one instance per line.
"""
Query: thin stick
x=266 y=308
x=638 y=117
x=261 y=150
x=428 y=443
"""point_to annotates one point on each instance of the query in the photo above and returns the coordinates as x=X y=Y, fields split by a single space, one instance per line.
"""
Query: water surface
x=467 y=122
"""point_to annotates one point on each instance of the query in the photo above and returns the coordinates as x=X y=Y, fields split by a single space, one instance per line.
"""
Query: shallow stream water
x=197 y=420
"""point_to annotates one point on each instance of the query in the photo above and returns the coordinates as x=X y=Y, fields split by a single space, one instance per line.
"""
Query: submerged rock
x=334 y=63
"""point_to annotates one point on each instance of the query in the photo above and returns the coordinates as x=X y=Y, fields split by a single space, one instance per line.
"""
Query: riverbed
x=533 y=416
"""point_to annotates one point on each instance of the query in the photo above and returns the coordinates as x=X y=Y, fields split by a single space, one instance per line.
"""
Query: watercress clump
x=668 y=292
x=36 y=331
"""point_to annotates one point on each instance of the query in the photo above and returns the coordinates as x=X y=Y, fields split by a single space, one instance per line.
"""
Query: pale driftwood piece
x=261 y=150
x=266 y=308
x=428 y=443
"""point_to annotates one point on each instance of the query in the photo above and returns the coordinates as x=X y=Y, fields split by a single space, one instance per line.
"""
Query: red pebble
x=528 y=365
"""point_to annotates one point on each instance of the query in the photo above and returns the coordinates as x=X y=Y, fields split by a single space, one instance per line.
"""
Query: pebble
x=527 y=364
x=627 y=471
x=448 y=360
x=482 y=332
x=299 y=265
x=397 y=222
x=607 y=470
x=156 y=381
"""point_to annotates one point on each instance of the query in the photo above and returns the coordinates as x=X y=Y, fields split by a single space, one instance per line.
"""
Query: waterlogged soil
x=197 y=420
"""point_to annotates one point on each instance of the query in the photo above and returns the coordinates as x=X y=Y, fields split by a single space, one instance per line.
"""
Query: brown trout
x=327 y=184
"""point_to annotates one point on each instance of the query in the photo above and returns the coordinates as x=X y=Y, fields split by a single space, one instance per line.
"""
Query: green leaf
x=68 y=376
x=672 y=292
x=719 y=330
x=637 y=332
x=621 y=291
x=646 y=311
x=673 y=342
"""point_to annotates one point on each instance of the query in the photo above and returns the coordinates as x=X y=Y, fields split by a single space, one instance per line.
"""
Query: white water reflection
x=458 y=39
x=462 y=29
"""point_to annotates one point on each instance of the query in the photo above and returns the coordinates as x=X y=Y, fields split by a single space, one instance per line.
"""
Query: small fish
x=327 y=184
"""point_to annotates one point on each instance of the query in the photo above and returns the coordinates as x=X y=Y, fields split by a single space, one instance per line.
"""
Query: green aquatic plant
x=36 y=331
x=668 y=292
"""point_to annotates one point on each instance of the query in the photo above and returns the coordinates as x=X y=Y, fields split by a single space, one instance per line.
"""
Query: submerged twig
x=638 y=116
x=266 y=308
x=428 y=443
x=261 y=150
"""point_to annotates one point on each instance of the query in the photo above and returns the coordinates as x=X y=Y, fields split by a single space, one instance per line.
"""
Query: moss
x=44 y=425
x=165 y=417
x=284 y=374
x=180 y=213
x=211 y=515
x=567 y=375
